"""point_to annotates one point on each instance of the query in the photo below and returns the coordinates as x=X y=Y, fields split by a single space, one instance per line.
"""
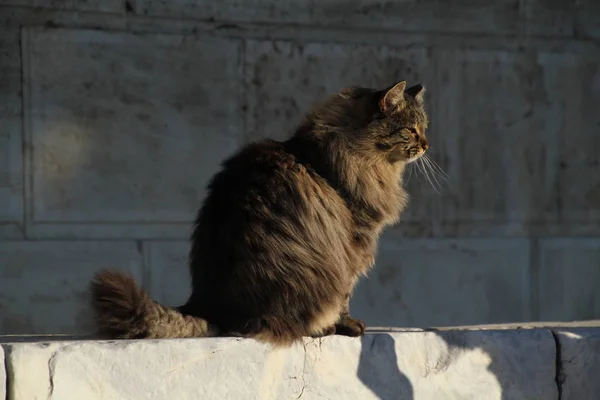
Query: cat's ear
x=394 y=97
x=417 y=92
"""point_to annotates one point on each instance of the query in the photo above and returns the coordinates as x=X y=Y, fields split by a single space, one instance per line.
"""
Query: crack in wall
x=51 y=373
x=303 y=371
x=559 y=375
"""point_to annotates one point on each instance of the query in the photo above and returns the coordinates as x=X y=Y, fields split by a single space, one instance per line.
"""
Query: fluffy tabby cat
x=287 y=228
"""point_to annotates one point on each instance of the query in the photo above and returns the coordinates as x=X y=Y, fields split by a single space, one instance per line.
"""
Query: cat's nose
x=424 y=144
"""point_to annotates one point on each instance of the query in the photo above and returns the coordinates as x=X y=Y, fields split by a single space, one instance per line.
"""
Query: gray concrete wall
x=113 y=116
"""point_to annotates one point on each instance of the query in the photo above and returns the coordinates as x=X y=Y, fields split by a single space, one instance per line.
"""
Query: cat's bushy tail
x=125 y=311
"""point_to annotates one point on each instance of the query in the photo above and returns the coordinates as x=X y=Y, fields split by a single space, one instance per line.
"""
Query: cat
x=287 y=228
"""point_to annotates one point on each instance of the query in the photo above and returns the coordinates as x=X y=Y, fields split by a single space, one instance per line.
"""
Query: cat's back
x=258 y=160
x=265 y=191
x=258 y=169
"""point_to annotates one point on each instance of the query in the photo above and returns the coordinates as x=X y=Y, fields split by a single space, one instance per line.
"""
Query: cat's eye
x=411 y=130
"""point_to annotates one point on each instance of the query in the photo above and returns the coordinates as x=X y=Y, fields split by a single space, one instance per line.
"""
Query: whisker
x=427 y=164
x=415 y=168
x=440 y=172
x=423 y=168
x=438 y=185
x=436 y=170
x=437 y=167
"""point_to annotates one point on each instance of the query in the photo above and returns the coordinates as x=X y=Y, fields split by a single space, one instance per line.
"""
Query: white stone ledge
x=475 y=363
x=461 y=364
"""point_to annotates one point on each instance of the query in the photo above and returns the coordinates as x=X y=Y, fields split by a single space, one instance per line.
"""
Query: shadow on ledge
x=515 y=364
x=378 y=368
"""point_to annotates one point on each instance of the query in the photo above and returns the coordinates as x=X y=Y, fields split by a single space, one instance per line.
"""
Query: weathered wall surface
x=113 y=116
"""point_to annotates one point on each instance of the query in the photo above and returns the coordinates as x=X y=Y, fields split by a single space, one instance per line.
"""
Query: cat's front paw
x=326 y=332
x=348 y=326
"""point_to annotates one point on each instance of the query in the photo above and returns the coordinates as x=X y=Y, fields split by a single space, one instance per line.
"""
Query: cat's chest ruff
x=382 y=206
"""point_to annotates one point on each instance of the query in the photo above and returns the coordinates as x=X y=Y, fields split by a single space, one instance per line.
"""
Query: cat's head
x=388 y=123
x=401 y=133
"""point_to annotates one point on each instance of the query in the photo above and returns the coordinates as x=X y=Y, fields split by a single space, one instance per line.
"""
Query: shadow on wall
x=468 y=364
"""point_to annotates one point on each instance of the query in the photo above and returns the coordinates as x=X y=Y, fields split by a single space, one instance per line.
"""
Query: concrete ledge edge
x=410 y=364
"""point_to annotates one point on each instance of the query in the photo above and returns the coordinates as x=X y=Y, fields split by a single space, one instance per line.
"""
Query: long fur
x=287 y=227
x=123 y=310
